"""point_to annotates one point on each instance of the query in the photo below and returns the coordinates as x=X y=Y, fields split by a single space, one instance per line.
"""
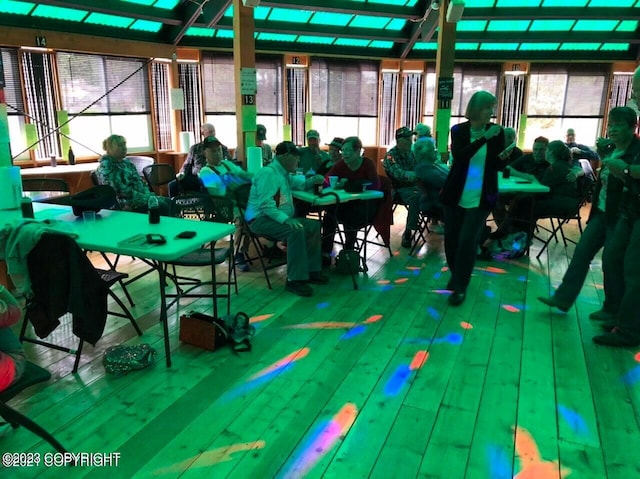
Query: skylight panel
x=595 y=25
x=467 y=45
x=59 y=13
x=615 y=47
x=471 y=25
x=399 y=3
x=166 y=4
x=396 y=24
x=109 y=20
x=518 y=3
x=499 y=46
x=352 y=42
x=425 y=46
x=579 y=46
x=564 y=3
x=551 y=25
x=368 y=21
x=146 y=26
x=18 y=8
x=139 y=2
x=539 y=46
x=315 y=39
x=224 y=33
x=276 y=37
x=608 y=3
x=627 y=26
x=381 y=44
x=327 y=18
x=290 y=15
x=200 y=32
x=508 y=25
x=261 y=13
x=480 y=3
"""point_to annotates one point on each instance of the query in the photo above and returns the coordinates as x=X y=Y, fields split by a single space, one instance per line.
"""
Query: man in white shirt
x=218 y=175
x=270 y=212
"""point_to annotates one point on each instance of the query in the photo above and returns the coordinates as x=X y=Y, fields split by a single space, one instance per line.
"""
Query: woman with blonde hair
x=471 y=189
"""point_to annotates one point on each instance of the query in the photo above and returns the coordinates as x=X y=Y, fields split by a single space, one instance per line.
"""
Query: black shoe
x=273 y=252
x=609 y=326
x=301 y=288
x=241 y=262
x=326 y=261
x=616 y=339
x=603 y=315
x=317 y=277
x=553 y=302
x=456 y=299
x=406 y=241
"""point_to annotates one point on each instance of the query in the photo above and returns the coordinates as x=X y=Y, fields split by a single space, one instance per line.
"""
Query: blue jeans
x=462 y=230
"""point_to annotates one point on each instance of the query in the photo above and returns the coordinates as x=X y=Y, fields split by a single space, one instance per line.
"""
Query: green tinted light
x=595 y=25
x=467 y=46
x=579 y=46
x=139 y=2
x=59 y=13
x=400 y=3
x=276 y=37
x=539 y=46
x=166 y=4
x=471 y=25
x=627 y=26
x=564 y=3
x=146 y=26
x=352 y=42
x=109 y=20
x=315 y=39
x=200 y=32
x=229 y=12
x=551 y=25
x=395 y=24
x=480 y=3
x=381 y=44
x=615 y=46
x=518 y=3
x=499 y=46
x=608 y=3
x=289 y=15
x=508 y=25
x=367 y=21
x=224 y=34
x=425 y=46
x=325 y=18
x=18 y=8
x=260 y=13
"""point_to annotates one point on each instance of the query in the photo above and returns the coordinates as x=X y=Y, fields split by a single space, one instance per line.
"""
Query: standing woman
x=471 y=189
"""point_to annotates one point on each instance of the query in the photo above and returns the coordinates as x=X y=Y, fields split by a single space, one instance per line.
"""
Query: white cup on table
x=333 y=181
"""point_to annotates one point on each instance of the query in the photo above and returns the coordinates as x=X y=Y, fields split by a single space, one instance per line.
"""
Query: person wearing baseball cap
x=335 y=149
x=312 y=157
x=270 y=212
x=261 y=136
x=400 y=164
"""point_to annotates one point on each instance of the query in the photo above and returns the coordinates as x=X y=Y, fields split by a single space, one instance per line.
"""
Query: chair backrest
x=44 y=184
x=159 y=174
x=140 y=162
x=33 y=374
x=241 y=196
x=196 y=206
x=94 y=178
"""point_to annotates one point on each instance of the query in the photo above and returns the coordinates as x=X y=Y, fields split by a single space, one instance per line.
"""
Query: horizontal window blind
x=269 y=77
x=218 y=83
x=12 y=88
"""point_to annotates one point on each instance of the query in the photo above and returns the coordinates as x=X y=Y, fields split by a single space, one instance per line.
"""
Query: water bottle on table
x=154 y=209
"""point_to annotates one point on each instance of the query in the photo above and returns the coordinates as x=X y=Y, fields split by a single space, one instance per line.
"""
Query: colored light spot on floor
x=386 y=287
x=323 y=439
x=383 y=281
x=281 y=363
x=401 y=280
x=533 y=466
x=466 y=325
x=397 y=380
x=433 y=312
x=522 y=279
x=489 y=294
x=418 y=360
x=209 y=458
x=374 y=318
x=632 y=376
x=414 y=268
x=441 y=291
x=492 y=269
x=510 y=308
x=444 y=269
x=262 y=317
x=324 y=305
x=499 y=463
x=396 y=253
x=355 y=331
x=322 y=325
x=576 y=421
x=637 y=356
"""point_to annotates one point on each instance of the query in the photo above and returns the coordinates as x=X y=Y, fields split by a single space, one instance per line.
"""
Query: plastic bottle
x=154 y=209
x=71 y=157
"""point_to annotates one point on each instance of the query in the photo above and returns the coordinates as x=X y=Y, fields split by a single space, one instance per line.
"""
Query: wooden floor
x=384 y=382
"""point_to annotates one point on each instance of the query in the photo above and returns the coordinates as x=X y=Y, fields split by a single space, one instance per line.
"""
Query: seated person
x=220 y=176
x=511 y=152
x=119 y=173
x=270 y=213
x=12 y=359
x=399 y=164
x=312 y=158
x=354 y=214
x=532 y=165
x=431 y=176
x=335 y=150
x=581 y=152
x=562 y=199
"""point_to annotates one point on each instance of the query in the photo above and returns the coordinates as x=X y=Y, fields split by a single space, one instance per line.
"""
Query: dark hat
x=337 y=142
x=404 y=132
x=287 y=147
x=261 y=132
x=211 y=141
x=93 y=199
x=313 y=134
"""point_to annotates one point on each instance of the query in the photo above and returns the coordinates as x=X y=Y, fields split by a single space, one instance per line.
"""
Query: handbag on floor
x=349 y=262
x=203 y=331
x=123 y=359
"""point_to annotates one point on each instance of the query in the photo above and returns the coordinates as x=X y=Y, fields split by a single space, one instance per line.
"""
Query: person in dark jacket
x=471 y=189
x=605 y=206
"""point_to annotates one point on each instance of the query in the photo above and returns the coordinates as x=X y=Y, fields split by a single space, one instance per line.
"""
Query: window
x=297 y=103
x=38 y=79
x=344 y=98
x=105 y=95
x=189 y=81
x=566 y=96
x=468 y=79
x=513 y=96
x=389 y=107
x=15 y=104
x=412 y=99
x=162 y=110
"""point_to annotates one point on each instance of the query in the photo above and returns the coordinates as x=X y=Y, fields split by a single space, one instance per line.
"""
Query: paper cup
x=333 y=181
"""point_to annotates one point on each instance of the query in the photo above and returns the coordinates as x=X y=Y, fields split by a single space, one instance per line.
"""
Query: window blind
x=12 y=88
x=269 y=78
x=218 y=83
x=189 y=81
x=162 y=110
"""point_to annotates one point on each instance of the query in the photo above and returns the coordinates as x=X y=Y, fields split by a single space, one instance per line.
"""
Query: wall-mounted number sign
x=248 y=99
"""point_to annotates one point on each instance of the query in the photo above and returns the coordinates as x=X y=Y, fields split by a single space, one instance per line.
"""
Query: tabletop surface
x=344 y=197
x=518 y=185
x=47 y=170
x=125 y=233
